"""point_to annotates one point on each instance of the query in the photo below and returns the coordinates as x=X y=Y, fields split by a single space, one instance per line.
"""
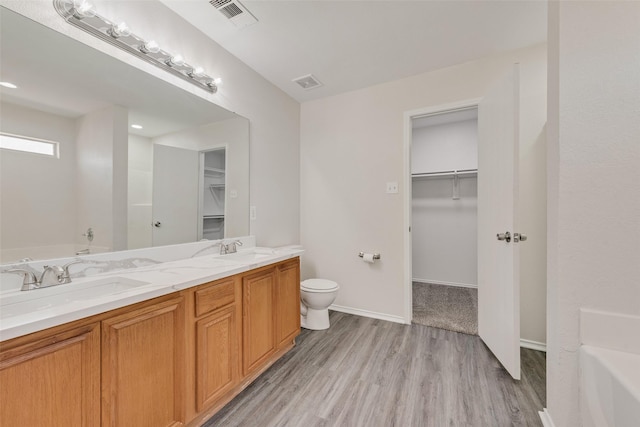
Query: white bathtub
x=610 y=387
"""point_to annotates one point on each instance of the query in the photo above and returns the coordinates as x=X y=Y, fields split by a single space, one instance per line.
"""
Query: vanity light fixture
x=120 y=30
x=83 y=9
x=8 y=85
x=150 y=47
x=175 y=61
x=83 y=15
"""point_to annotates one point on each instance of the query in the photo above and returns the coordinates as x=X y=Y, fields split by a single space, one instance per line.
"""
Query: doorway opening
x=444 y=168
x=212 y=194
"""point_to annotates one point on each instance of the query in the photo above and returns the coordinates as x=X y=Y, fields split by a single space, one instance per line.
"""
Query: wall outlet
x=252 y=213
x=392 y=187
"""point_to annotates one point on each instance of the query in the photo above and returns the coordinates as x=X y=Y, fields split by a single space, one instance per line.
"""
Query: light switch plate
x=392 y=187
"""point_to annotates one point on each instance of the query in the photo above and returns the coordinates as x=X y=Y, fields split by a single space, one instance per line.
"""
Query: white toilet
x=316 y=296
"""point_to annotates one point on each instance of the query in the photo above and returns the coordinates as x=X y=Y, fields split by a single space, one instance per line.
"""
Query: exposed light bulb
x=120 y=30
x=175 y=60
x=197 y=71
x=83 y=9
x=8 y=85
x=217 y=81
x=150 y=47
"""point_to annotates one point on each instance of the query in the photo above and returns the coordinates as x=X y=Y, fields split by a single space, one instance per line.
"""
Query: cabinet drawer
x=214 y=296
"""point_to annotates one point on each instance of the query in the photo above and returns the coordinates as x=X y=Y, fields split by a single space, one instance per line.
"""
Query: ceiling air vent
x=235 y=12
x=308 y=82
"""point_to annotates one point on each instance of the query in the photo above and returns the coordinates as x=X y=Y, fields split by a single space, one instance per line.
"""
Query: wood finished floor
x=368 y=372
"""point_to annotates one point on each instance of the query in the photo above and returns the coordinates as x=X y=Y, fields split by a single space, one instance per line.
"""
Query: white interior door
x=175 y=195
x=498 y=260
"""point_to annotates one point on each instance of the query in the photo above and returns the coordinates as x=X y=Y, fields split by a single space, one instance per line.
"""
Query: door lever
x=504 y=236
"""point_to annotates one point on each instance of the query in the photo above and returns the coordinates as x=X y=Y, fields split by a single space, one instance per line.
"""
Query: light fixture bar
x=82 y=14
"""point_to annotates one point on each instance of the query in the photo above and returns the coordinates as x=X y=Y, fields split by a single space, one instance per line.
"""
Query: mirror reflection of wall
x=104 y=175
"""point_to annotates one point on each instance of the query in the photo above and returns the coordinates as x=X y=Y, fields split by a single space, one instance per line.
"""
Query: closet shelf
x=213 y=216
x=213 y=171
x=216 y=185
x=462 y=173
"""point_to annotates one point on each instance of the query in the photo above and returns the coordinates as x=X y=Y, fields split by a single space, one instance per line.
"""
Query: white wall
x=32 y=183
x=139 y=194
x=445 y=147
x=444 y=230
x=274 y=116
x=351 y=145
x=594 y=196
x=101 y=177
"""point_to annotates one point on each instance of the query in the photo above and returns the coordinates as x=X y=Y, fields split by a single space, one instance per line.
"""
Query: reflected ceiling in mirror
x=87 y=101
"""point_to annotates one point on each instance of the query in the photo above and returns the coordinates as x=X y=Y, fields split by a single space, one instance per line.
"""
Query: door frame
x=407 y=198
x=201 y=157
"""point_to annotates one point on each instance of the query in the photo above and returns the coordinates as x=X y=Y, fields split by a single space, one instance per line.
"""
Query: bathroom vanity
x=172 y=359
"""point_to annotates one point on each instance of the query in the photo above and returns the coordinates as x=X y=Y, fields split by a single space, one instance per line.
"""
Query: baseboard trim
x=545 y=417
x=367 y=313
x=533 y=345
x=440 y=282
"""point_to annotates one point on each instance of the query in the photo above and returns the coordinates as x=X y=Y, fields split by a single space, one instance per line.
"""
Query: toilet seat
x=319 y=285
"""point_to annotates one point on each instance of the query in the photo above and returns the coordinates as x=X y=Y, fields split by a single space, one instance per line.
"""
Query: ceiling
x=349 y=45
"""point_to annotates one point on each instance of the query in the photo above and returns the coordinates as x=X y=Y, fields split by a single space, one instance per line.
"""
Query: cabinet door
x=53 y=381
x=143 y=366
x=288 y=302
x=259 y=340
x=217 y=357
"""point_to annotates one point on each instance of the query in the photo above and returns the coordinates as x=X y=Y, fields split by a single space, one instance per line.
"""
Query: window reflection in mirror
x=110 y=177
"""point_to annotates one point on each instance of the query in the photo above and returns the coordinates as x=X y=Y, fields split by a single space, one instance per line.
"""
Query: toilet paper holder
x=375 y=256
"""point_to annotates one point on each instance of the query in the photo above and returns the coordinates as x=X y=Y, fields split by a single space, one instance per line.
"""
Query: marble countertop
x=25 y=312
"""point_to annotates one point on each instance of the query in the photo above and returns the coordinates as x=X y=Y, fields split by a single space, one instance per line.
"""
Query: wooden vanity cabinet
x=170 y=361
x=51 y=379
x=258 y=318
x=271 y=312
x=287 y=302
x=143 y=368
x=217 y=340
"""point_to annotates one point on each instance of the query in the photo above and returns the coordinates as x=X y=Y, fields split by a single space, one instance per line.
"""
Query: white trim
x=367 y=313
x=533 y=345
x=440 y=282
x=408 y=116
x=545 y=417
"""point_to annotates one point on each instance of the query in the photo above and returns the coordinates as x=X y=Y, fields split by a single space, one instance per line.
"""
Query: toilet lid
x=319 y=285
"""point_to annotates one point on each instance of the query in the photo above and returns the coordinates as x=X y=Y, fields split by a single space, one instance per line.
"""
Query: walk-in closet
x=444 y=162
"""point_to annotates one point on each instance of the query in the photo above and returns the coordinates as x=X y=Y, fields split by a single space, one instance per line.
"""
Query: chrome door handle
x=519 y=237
x=504 y=236
x=157 y=224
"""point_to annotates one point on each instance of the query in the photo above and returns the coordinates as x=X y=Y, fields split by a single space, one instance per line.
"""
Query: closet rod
x=445 y=173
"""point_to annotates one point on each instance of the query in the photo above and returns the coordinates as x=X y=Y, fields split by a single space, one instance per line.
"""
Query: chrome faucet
x=29 y=281
x=52 y=275
x=232 y=248
x=229 y=248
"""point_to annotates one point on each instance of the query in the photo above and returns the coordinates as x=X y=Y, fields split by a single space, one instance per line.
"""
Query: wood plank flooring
x=368 y=372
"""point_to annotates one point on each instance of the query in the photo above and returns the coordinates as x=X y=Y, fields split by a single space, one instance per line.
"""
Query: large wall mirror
x=180 y=176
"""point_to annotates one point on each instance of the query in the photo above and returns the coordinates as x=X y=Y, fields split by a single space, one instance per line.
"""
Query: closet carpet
x=446 y=307
x=371 y=373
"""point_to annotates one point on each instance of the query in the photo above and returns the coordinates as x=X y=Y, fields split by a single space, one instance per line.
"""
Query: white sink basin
x=251 y=255
x=25 y=302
